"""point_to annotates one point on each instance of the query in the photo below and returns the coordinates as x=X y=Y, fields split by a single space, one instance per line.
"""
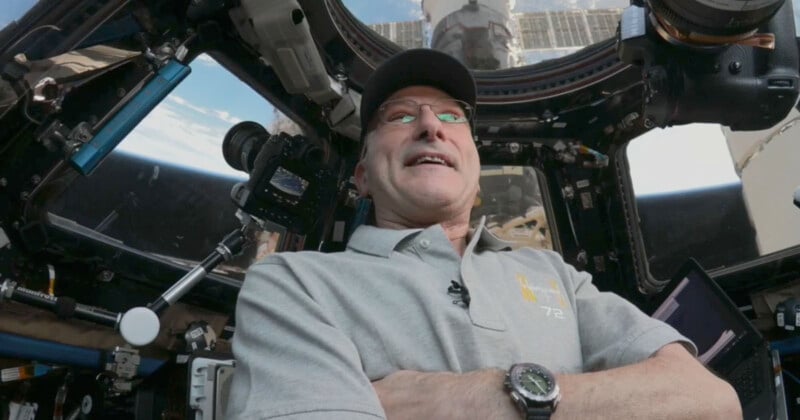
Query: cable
x=25 y=107
x=31 y=32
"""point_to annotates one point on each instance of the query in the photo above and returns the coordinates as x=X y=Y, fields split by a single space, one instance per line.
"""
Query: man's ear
x=361 y=179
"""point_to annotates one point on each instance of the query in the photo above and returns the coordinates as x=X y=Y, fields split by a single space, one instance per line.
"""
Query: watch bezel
x=546 y=400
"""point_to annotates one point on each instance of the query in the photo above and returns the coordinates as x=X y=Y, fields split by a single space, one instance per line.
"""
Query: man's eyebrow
x=418 y=98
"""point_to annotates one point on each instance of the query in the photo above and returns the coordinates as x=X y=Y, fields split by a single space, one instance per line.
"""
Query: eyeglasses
x=406 y=111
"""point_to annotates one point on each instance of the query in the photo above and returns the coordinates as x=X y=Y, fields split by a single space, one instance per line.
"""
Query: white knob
x=139 y=326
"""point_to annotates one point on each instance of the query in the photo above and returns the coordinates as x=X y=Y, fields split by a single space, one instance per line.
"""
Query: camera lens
x=242 y=143
x=312 y=155
x=721 y=18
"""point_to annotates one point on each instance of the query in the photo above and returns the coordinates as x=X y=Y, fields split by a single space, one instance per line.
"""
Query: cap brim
x=416 y=67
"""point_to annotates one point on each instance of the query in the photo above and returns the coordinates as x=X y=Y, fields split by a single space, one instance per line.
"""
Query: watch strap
x=538 y=413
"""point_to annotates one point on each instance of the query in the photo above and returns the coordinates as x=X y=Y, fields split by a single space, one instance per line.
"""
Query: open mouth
x=429 y=160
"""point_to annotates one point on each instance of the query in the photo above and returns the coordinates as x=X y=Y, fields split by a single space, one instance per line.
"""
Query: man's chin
x=435 y=205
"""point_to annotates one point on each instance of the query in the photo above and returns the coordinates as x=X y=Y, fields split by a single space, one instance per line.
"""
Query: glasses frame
x=469 y=111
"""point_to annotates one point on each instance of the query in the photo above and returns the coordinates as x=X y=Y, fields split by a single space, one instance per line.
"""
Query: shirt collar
x=489 y=241
x=380 y=242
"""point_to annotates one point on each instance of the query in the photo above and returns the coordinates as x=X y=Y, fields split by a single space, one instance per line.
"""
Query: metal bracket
x=209 y=380
x=122 y=369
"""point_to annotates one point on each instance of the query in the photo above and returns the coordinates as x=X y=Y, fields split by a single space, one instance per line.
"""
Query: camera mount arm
x=227 y=248
x=140 y=326
x=64 y=307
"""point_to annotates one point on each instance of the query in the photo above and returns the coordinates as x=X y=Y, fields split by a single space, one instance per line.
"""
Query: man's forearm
x=668 y=386
x=443 y=395
x=671 y=385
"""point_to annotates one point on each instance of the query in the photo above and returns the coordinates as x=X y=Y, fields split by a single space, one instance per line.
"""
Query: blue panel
x=18 y=347
x=92 y=153
x=786 y=347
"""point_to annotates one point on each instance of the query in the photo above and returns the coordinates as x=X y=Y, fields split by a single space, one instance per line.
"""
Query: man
x=421 y=317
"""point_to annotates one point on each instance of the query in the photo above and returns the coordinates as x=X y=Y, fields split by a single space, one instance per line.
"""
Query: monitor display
x=703 y=316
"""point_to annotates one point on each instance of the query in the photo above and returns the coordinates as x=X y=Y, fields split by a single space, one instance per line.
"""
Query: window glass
x=511 y=199
x=166 y=189
x=493 y=34
x=689 y=199
x=13 y=10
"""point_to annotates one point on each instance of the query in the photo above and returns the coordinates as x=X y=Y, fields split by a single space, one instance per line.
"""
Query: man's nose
x=429 y=127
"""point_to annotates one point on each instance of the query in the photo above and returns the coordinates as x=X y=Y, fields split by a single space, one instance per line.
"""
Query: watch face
x=534 y=382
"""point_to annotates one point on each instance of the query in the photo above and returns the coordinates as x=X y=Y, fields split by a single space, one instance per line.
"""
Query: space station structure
x=478 y=32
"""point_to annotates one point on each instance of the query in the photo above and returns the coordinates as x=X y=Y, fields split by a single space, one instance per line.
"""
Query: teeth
x=430 y=159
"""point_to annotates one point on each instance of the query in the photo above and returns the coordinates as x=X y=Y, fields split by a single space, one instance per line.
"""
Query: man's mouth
x=429 y=160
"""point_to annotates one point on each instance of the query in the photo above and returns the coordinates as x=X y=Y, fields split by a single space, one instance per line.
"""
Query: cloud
x=415 y=10
x=172 y=134
x=227 y=117
x=206 y=60
x=680 y=158
x=223 y=116
x=184 y=103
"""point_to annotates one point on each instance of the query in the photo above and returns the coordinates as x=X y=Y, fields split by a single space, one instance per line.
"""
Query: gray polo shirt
x=313 y=329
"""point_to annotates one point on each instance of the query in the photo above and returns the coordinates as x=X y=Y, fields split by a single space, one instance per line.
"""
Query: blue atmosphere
x=13 y=10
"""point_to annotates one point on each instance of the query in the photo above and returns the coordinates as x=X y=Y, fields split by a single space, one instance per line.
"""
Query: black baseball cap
x=419 y=66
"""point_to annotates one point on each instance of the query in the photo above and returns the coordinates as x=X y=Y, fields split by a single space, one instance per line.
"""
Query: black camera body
x=289 y=183
x=740 y=86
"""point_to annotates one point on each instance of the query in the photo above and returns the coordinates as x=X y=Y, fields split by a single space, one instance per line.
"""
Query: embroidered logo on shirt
x=557 y=292
x=527 y=292
x=551 y=300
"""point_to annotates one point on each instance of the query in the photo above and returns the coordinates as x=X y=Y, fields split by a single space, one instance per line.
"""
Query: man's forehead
x=419 y=91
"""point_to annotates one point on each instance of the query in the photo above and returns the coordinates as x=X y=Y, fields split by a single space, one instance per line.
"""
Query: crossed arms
x=670 y=385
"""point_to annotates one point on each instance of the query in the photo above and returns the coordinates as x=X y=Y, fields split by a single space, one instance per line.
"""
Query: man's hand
x=414 y=395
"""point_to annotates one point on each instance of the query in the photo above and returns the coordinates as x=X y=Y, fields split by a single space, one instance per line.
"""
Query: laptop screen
x=700 y=310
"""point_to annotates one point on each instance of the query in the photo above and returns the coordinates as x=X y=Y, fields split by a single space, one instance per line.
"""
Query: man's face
x=423 y=172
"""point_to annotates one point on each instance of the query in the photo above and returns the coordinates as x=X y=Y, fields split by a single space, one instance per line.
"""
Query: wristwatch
x=533 y=389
